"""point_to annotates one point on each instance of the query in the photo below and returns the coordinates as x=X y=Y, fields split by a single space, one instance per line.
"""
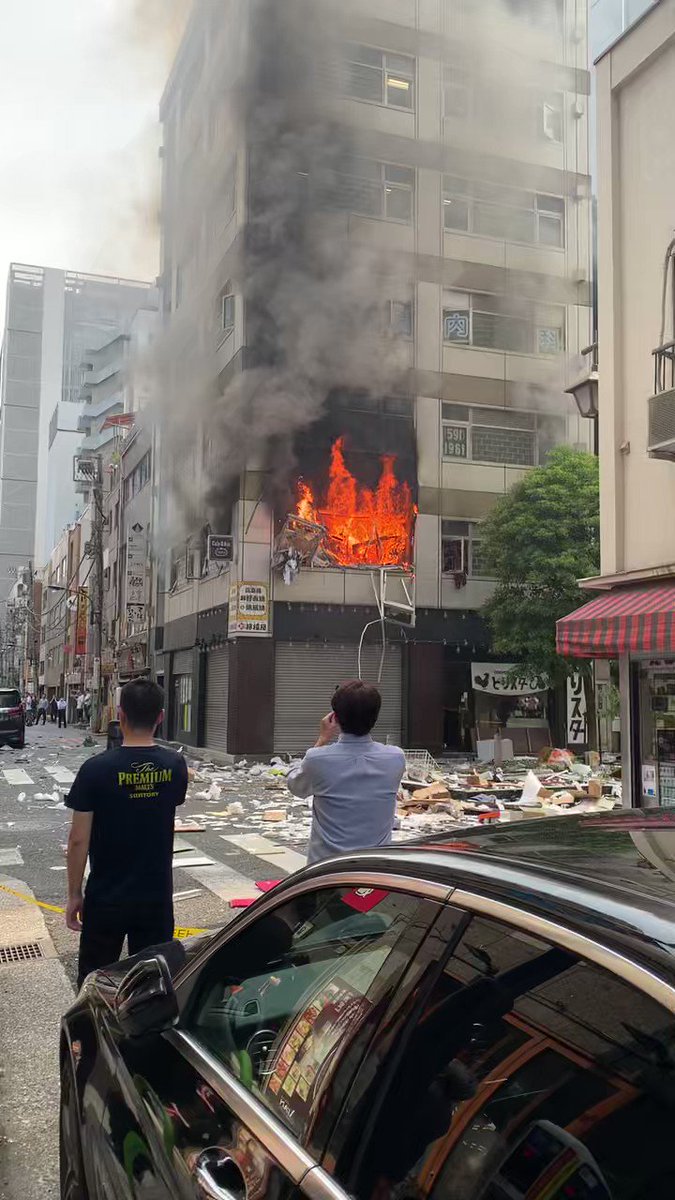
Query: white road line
x=225 y=883
x=16 y=775
x=11 y=858
x=60 y=774
x=278 y=856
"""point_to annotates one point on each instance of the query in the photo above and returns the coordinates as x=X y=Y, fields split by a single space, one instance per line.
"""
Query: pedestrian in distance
x=79 y=708
x=62 y=708
x=87 y=707
x=353 y=779
x=124 y=806
x=53 y=710
x=42 y=707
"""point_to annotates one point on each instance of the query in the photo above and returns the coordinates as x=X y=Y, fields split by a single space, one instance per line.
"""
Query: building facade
x=376 y=263
x=52 y=318
x=630 y=618
x=609 y=19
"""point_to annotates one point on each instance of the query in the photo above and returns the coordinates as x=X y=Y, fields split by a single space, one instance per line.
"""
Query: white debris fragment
x=236 y=809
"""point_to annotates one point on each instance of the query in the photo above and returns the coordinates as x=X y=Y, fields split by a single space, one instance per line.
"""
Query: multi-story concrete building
x=52 y=318
x=632 y=617
x=375 y=243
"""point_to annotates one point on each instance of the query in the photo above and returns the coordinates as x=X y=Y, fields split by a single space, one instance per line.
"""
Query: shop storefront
x=636 y=627
x=513 y=707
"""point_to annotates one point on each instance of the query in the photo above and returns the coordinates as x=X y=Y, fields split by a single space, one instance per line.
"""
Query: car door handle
x=218 y=1176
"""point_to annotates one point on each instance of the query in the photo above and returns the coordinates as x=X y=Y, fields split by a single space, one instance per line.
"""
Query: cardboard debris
x=274 y=814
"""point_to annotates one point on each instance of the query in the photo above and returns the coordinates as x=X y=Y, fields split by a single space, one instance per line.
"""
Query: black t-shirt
x=133 y=793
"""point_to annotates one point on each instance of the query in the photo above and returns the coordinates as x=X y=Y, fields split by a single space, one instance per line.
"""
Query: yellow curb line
x=180 y=932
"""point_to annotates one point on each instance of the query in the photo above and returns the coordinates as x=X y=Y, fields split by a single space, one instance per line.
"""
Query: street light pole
x=97 y=609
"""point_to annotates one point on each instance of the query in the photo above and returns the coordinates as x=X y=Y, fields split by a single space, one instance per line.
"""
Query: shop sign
x=249 y=613
x=577 y=726
x=501 y=679
x=220 y=548
x=81 y=622
x=137 y=555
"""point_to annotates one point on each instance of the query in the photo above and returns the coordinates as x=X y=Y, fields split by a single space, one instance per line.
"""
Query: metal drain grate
x=24 y=952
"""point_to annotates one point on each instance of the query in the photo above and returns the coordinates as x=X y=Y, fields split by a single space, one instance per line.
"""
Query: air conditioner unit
x=661 y=429
x=578 y=109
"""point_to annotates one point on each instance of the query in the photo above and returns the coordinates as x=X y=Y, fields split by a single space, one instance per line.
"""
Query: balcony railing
x=661 y=429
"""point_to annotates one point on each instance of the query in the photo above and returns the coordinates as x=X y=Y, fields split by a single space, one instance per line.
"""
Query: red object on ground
x=266 y=885
x=242 y=903
x=363 y=899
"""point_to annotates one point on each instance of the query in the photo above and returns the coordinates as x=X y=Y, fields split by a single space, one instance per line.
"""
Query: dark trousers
x=42 y=712
x=62 y=718
x=104 y=928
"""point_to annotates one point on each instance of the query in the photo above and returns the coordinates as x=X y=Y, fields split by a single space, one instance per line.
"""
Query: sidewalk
x=33 y=995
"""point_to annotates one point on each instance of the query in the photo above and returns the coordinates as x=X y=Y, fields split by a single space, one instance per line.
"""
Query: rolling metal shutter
x=217 y=697
x=306 y=676
x=182 y=661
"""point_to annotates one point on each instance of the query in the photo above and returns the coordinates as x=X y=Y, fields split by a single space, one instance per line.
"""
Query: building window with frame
x=462 y=551
x=508 y=437
x=457 y=92
x=227 y=309
x=373 y=189
x=379 y=77
x=398 y=318
x=498 y=211
x=492 y=322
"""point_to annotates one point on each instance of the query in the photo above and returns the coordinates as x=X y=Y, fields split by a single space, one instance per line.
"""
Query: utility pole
x=88 y=468
x=97 y=605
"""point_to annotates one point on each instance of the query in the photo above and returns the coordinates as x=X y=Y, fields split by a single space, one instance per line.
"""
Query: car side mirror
x=145 y=1001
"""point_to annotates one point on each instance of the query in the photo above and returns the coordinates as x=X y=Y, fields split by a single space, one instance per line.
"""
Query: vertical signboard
x=137 y=554
x=249 y=612
x=81 y=623
x=577 y=725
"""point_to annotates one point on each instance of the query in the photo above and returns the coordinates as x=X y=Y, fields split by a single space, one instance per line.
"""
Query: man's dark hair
x=142 y=701
x=357 y=706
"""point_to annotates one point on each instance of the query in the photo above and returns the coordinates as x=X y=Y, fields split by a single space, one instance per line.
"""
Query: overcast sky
x=78 y=137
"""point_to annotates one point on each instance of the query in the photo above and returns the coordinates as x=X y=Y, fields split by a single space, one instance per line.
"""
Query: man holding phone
x=353 y=779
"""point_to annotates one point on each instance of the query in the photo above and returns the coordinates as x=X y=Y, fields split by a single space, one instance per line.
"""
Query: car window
x=9 y=698
x=286 y=1002
x=527 y=1073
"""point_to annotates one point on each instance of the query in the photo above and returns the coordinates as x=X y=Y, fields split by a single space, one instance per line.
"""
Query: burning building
x=375 y=230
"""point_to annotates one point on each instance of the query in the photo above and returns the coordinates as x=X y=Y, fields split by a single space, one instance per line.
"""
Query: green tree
x=541 y=538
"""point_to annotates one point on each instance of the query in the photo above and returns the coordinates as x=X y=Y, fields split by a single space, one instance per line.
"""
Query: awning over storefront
x=635 y=619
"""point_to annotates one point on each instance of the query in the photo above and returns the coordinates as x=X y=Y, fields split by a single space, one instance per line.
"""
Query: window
x=399 y=317
x=462 y=550
x=184 y=703
x=552 y=123
x=290 y=1003
x=373 y=189
x=492 y=322
x=138 y=478
x=456 y=92
x=521 y=1081
x=227 y=309
x=511 y=214
x=379 y=77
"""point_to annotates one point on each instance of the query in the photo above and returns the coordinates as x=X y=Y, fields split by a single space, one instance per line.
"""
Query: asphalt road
x=241 y=848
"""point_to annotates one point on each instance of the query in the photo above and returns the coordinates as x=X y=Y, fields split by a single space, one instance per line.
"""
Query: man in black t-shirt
x=124 y=804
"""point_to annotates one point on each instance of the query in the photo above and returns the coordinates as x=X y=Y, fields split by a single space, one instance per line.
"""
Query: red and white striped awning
x=627 y=619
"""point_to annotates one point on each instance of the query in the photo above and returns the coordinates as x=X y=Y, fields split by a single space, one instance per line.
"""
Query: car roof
x=610 y=876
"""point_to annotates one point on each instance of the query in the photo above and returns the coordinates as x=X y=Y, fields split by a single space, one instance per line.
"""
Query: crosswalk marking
x=11 y=858
x=280 y=857
x=60 y=774
x=224 y=882
x=16 y=775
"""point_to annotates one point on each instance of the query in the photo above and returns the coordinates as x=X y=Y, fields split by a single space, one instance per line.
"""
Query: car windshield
x=9 y=698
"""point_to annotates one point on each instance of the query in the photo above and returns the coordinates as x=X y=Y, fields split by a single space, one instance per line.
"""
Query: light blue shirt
x=354 y=782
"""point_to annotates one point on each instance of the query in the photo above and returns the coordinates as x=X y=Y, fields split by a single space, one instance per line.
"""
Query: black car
x=12 y=718
x=486 y=1017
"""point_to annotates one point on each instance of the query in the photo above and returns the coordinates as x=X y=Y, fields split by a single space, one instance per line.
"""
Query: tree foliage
x=540 y=539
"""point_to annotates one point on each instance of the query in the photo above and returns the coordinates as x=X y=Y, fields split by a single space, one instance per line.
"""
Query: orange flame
x=363 y=526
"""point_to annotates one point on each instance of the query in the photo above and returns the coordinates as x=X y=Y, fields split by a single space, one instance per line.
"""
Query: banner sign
x=577 y=726
x=137 y=555
x=249 y=613
x=81 y=623
x=499 y=680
